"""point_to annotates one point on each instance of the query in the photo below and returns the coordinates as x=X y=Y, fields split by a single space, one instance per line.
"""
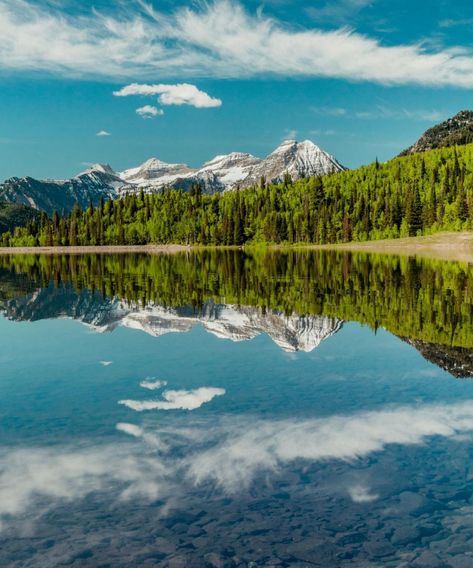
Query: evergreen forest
x=407 y=196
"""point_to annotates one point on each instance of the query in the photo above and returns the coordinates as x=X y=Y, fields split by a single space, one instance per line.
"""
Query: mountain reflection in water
x=297 y=298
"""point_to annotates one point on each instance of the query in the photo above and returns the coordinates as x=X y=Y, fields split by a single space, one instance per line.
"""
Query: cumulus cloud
x=176 y=400
x=149 y=111
x=103 y=133
x=179 y=94
x=137 y=41
x=152 y=384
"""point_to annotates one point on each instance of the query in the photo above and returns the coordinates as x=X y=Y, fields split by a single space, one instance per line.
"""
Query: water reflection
x=298 y=298
x=303 y=439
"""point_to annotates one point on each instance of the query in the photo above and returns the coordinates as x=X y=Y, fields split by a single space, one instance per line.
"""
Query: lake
x=228 y=408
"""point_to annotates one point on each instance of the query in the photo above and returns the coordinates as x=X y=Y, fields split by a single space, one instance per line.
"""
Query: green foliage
x=425 y=300
x=418 y=194
x=13 y=215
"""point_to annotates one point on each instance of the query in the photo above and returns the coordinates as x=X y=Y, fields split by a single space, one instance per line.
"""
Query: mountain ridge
x=222 y=173
x=456 y=130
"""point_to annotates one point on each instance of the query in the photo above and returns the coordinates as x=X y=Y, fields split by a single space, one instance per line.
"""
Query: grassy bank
x=442 y=246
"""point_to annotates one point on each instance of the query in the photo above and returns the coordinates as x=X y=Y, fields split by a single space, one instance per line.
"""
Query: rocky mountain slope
x=457 y=130
x=458 y=361
x=236 y=323
x=60 y=195
x=222 y=173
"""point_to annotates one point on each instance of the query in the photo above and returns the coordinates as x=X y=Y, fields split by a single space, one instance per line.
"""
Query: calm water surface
x=232 y=409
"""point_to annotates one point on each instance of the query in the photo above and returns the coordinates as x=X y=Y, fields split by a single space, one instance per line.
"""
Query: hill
x=13 y=215
x=455 y=131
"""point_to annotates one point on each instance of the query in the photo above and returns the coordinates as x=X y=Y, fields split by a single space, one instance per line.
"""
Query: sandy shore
x=150 y=249
x=444 y=246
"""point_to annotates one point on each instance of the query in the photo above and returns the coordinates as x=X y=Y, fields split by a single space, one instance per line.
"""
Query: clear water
x=262 y=448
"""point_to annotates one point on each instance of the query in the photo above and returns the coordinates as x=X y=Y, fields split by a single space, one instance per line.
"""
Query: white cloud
x=130 y=429
x=103 y=133
x=335 y=11
x=176 y=400
x=330 y=111
x=233 y=462
x=229 y=453
x=152 y=384
x=290 y=134
x=105 y=363
x=361 y=494
x=149 y=111
x=451 y=23
x=66 y=474
x=179 y=94
x=381 y=111
x=136 y=41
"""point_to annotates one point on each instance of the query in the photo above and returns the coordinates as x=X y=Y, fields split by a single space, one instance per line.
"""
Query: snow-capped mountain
x=298 y=159
x=236 y=323
x=229 y=171
x=222 y=173
x=61 y=195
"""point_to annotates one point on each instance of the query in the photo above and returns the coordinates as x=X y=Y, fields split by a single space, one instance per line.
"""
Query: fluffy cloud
x=66 y=474
x=103 y=133
x=215 y=39
x=152 y=384
x=149 y=111
x=179 y=94
x=176 y=400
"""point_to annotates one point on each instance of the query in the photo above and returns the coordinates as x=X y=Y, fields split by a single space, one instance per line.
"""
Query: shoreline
x=442 y=246
x=101 y=249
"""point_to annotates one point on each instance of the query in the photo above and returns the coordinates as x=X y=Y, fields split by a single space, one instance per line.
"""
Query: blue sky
x=360 y=78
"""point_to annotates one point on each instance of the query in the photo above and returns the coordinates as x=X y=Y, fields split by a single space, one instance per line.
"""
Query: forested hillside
x=417 y=194
x=13 y=215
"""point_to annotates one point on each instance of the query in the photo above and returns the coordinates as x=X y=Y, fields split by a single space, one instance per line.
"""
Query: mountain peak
x=224 y=172
x=151 y=169
x=103 y=168
x=455 y=131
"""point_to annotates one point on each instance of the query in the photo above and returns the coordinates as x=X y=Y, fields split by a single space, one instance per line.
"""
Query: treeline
x=407 y=196
x=420 y=299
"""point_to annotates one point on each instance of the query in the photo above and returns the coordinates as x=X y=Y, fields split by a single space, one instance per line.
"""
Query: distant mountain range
x=222 y=173
x=238 y=323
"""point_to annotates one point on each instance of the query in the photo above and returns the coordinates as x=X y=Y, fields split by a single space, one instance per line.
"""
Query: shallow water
x=231 y=409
